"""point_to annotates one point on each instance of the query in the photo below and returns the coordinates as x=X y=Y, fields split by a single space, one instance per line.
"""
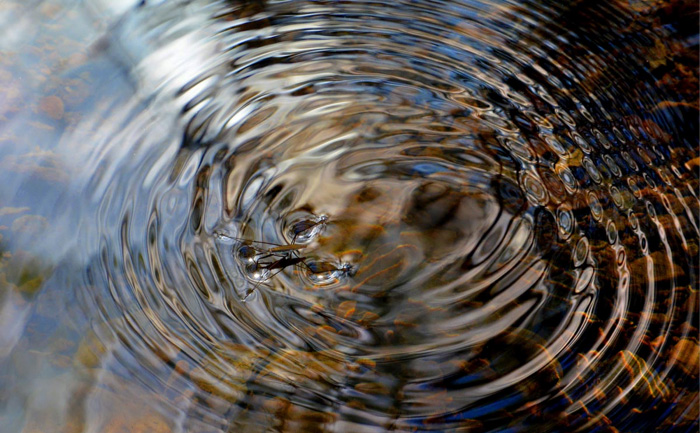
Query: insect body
x=263 y=258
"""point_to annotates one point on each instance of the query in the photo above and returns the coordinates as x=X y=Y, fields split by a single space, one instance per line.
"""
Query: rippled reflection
x=374 y=216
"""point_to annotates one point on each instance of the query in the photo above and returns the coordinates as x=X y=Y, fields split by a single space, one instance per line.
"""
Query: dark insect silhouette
x=304 y=227
x=261 y=257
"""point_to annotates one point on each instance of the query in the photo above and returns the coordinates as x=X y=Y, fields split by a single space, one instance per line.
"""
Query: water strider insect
x=264 y=257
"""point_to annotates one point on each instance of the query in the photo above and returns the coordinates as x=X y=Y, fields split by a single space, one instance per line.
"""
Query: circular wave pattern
x=406 y=216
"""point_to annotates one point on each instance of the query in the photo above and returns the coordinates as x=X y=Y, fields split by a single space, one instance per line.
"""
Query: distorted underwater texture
x=224 y=216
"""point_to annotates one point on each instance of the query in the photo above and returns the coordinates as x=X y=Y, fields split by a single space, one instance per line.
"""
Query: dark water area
x=349 y=216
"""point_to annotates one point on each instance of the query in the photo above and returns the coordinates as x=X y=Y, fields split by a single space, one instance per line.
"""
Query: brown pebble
x=182 y=367
x=52 y=106
x=686 y=354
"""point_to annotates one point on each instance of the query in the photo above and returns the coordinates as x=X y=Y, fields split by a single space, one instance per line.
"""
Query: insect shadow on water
x=308 y=228
x=271 y=257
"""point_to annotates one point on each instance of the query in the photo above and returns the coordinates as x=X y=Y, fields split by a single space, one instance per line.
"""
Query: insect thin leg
x=223 y=236
x=251 y=291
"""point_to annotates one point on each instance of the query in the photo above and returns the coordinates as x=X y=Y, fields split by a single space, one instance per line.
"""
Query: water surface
x=361 y=216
